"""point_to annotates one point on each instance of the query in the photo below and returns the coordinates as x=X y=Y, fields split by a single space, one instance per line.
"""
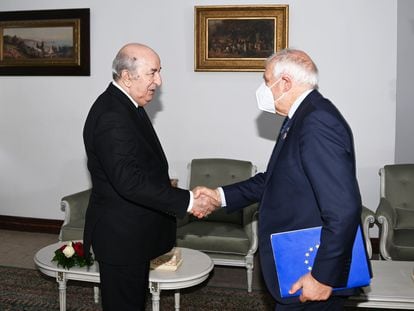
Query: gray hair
x=123 y=61
x=296 y=64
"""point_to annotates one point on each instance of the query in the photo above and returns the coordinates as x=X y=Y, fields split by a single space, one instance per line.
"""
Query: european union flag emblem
x=294 y=253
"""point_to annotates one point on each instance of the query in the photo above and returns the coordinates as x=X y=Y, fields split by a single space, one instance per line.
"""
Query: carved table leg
x=177 y=300
x=96 y=294
x=155 y=291
x=61 y=279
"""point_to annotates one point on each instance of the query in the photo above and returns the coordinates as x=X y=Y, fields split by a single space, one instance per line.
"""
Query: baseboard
x=30 y=224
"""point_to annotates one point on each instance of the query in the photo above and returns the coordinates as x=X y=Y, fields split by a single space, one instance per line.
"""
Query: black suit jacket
x=132 y=211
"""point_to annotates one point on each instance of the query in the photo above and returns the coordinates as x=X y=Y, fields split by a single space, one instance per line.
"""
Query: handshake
x=206 y=201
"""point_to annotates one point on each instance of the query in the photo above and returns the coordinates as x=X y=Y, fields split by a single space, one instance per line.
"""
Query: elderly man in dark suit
x=310 y=181
x=131 y=217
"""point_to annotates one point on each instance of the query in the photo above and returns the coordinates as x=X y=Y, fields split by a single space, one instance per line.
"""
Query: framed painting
x=238 y=38
x=45 y=43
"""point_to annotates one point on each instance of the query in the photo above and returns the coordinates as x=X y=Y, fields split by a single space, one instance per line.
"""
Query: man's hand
x=312 y=290
x=212 y=193
x=205 y=201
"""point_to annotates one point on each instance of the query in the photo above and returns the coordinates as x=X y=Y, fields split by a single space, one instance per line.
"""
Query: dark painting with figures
x=241 y=38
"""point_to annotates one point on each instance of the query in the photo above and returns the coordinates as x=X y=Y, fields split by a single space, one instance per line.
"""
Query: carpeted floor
x=29 y=290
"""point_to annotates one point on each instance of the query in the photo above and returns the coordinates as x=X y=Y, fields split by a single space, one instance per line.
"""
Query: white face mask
x=264 y=97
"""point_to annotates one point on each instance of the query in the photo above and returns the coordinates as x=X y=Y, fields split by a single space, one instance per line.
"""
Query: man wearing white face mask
x=265 y=99
x=310 y=181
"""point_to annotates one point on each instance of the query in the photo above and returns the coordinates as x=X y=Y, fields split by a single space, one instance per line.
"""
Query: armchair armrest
x=386 y=212
x=74 y=206
x=368 y=218
x=250 y=224
x=386 y=216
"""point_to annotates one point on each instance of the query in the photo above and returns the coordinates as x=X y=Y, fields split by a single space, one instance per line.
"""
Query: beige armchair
x=229 y=239
x=395 y=212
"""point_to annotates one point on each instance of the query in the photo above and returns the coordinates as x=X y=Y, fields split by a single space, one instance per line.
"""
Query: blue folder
x=294 y=253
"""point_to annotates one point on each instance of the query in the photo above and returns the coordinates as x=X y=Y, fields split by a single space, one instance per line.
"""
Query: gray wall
x=404 y=140
x=197 y=114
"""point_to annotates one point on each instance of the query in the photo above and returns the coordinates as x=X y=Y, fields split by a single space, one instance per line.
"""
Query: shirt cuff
x=222 y=197
x=190 y=204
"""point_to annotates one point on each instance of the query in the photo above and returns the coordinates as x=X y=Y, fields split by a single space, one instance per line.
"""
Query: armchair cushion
x=72 y=232
x=402 y=247
x=405 y=218
x=221 y=215
x=215 y=237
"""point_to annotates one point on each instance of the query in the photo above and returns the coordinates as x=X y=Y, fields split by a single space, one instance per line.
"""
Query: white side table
x=392 y=287
x=194 y=269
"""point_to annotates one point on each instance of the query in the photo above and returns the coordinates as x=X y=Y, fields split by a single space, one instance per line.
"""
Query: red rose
x=78 y=247
x=62 y=247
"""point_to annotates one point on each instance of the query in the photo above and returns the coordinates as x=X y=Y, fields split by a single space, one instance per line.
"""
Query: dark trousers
x=124 y=287
x=334 y=303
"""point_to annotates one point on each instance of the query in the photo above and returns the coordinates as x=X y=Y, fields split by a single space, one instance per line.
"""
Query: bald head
x=131 y=57
x=136 y=69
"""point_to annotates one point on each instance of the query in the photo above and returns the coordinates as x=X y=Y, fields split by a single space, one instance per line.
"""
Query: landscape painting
x=48 y=42
x=38 y=44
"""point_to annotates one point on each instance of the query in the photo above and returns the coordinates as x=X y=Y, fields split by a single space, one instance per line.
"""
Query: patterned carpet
x=29 y=290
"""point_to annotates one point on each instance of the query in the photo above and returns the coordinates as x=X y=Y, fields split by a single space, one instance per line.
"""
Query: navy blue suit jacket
x=310 y=181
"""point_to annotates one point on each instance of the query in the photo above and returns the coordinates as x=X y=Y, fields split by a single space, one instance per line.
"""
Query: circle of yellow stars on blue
x=310 y=256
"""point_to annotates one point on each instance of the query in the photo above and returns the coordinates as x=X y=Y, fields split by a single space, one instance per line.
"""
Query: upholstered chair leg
x=249 y=266
x=249 y=278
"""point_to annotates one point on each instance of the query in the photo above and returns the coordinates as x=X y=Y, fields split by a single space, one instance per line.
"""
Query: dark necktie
x=284 y=129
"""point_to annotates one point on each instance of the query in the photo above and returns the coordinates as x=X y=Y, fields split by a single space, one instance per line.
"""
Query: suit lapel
x=279 y=144
x=142 y=123
x=299 y=113
x=151 y=134
x=276 y=151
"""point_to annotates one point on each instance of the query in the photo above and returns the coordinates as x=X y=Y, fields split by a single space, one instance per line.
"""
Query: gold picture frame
x=238 y=38
x=45 y=42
